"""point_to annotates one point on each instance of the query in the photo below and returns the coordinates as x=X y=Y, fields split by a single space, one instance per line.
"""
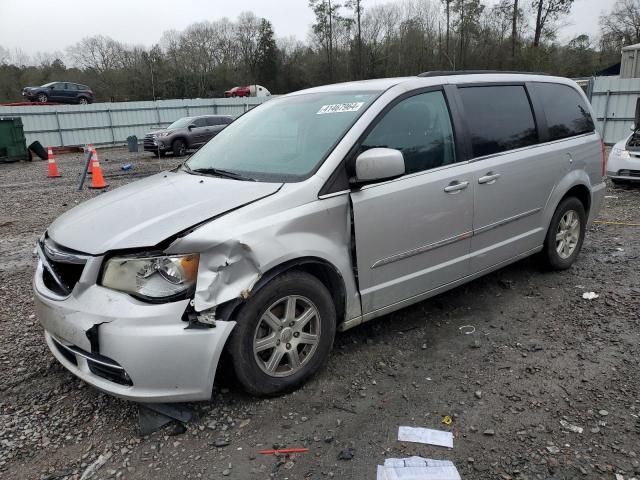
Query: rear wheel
x=42 y=98
x=565 y=234
x=83 y=101
x=178 y=147
x=284 y=334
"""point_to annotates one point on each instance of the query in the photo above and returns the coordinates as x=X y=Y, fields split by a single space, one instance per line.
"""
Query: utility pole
x=330 y=42
x=514 y=31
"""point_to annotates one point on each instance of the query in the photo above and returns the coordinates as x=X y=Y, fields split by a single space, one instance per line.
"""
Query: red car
x=238 y=92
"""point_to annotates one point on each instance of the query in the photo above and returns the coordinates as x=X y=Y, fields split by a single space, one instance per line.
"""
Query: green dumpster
x=13 y=146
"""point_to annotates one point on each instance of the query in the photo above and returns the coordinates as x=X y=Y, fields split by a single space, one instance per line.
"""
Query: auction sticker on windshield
x=340 y=108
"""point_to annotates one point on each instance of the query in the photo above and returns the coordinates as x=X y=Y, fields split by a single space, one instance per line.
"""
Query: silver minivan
x=311 y=214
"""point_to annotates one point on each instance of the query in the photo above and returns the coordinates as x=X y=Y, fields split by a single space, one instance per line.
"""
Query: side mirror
x=379 y=164
x=192 y=126
x=51 y=87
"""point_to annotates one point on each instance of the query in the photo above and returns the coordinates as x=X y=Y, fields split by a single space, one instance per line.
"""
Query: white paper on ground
x=416 y=462
x=417 y=468
x=425 y=435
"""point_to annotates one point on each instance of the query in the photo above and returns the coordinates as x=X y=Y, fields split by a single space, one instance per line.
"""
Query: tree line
x=347 y=41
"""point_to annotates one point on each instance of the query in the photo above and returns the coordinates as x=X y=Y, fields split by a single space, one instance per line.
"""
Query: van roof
x=435 y=78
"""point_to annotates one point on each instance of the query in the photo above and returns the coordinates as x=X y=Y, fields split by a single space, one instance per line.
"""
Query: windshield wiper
x=219 y=172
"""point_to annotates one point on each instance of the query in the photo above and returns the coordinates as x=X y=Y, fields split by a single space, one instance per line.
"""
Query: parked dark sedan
x=59 y=92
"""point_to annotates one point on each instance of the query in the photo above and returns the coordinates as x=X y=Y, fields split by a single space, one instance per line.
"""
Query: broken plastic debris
x=447 y=420
x=590 y=295
x=283 y=451
x=467 y=329
x=425 y=435
x=95 y=466
x=572 y=428
x=417 y=468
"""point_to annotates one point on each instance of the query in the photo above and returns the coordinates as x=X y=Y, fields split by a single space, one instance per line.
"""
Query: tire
x=178 y=147
x=269 y=372
x=83 y=101
x=233 y=95
x=42 y=98
x=561 y=253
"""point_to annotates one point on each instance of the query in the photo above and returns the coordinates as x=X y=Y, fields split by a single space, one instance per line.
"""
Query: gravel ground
x=540 y=356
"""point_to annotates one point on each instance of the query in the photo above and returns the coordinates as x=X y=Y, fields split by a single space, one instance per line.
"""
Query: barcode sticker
x=340 y=108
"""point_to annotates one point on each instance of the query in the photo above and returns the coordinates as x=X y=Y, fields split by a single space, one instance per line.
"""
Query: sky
x=48 y=25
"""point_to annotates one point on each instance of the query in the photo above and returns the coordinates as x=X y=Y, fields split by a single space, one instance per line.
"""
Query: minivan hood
x=146 y=212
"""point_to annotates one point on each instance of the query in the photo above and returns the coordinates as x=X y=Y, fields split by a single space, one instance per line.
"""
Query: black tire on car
x=178 y=147
x=83 y=101
x=284 y=334
x=42 y=98
x=565 y=235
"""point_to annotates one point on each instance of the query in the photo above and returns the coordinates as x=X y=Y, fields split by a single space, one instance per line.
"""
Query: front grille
x=148 y=142
x=98 y=364
x=629 y=173
x=62 y=268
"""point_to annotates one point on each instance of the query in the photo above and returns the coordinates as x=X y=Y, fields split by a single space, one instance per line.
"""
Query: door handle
x=489 y=178
x=456 y=186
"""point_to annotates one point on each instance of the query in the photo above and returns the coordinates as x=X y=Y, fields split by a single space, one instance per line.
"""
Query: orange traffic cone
x=97 y=180
x=53 y=168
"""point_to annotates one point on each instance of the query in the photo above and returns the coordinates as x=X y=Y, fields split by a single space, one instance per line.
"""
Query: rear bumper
x=139 y=351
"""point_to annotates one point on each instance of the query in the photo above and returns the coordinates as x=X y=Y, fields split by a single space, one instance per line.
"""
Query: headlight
x=619 y=152
x=153 y=277
x=162 y=134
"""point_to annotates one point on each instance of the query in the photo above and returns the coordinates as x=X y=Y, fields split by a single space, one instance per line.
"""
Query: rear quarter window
x=499 y=118
x=566 y=111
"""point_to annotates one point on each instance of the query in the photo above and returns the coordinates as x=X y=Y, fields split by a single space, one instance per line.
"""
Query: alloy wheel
x=287 y=336
x=568 y=234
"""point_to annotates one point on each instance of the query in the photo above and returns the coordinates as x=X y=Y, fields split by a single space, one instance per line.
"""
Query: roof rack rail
x=447 y=73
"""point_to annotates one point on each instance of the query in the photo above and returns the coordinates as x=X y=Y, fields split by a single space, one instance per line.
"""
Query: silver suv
x=315 y=212
x=185 y=133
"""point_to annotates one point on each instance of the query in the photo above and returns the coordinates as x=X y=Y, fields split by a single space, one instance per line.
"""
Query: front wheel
x=284 y=334
x=178 y=147
x=42 y=98
x=565 y=234
x=83 y=101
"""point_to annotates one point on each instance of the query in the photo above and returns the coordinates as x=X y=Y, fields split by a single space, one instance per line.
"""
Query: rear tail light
x=604 y=159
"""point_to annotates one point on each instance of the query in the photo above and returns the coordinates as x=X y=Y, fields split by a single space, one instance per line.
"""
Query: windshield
x=283 y=140
x=183 y=122
x=50 y=84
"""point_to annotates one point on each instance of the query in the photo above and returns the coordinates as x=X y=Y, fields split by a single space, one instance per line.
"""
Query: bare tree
x=248 y=37
x=622 y=25
x=356 y=6
x=547 y=12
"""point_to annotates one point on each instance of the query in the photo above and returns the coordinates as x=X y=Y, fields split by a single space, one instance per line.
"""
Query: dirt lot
x=540 y=354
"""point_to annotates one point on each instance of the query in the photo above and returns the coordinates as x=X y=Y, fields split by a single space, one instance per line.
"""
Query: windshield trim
x=376 y=94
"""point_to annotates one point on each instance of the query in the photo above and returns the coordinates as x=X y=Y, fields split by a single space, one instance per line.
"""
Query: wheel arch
x=320 y=268
x=180 y=137
x=575 y=184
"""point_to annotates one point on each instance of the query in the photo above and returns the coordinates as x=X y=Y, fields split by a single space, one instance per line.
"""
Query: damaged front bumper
x=131 y=349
